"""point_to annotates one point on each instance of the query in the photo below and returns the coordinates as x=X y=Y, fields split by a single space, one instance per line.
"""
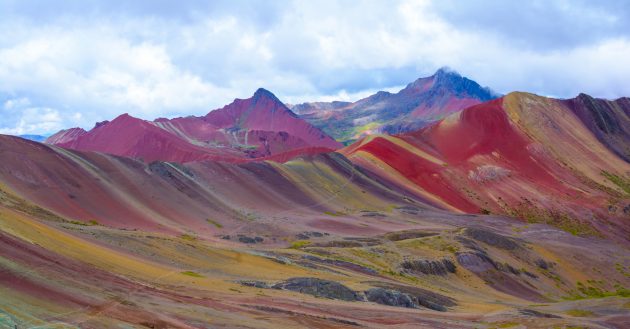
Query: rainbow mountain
x=512 y=211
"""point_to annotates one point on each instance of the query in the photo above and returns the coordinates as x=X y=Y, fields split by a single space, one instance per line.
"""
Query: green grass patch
x=188 y=237
x=299 y=244
x=88 y=223
x=579 y=313
x=215 y=223
x=193 y=274
x=334 y=214
x=622 y=182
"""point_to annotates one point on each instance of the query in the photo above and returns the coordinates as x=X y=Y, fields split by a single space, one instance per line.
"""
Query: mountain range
x=450 y=206
x=420 y=103
x=257 y=127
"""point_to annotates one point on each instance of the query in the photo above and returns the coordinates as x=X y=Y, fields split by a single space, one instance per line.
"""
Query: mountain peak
x=125 y=117
x=264 y=93
x=446 y=71
x=99 y=124
x=449 y=79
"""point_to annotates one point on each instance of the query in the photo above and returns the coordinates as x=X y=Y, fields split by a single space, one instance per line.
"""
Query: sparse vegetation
x=299 y=244
x=334 y=214
x=193 y=274
x=250 y=216
x=621 y=269
x=215 y=223
x=590 y=291
x=188 y=237
x=579 y=313
x=534 y=215
x=622 y=182
x=13 y=202
x=87 y=223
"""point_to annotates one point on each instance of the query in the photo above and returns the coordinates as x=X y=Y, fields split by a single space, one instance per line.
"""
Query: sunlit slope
x=97 y=241
x=521 y=155
x=203 y=197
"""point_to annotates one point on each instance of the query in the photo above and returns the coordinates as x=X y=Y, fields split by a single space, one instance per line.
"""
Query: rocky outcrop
x=390 y=297
x=476 y=262
x=308 y=235
x=250 y=240
x=341 y=263
x=492 y=239
x=420 y=297
x=537 y=314
x=428 y=267
x=319 y=288
x=488 y=173
x=254 y=284
x=406 y=235
x=500 y=276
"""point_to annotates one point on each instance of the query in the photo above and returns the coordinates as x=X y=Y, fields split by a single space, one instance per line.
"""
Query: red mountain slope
x=522 y=155
x=260 y=126
x=66 y=135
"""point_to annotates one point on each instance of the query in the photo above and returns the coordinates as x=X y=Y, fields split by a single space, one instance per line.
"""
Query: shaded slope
x=608 y=120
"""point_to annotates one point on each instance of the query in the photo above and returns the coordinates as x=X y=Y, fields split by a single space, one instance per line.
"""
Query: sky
x=74 y=63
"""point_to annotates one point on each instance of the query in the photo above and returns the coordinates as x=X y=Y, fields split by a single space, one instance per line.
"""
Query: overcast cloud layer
x=64 y=65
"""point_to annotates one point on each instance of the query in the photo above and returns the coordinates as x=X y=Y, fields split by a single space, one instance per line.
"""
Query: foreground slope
x=420 y=103
x=97 y=241
x=260 y=126
x=608 y=120
x=522 y=155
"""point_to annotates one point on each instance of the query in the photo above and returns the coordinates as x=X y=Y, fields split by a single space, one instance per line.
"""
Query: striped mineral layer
x=509 y=213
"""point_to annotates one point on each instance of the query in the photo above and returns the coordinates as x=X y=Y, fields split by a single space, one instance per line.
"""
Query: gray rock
x=406 y=235
x=493 y=239
x=536 y=314
x=429 y=267
x=422 y=297
x=475 y=261
x=390 y=297
x=320 y=288
x=246 y=239
x=255 y=284
x=542 y=264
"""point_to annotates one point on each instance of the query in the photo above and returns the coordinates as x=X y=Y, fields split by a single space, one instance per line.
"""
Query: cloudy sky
x=72 y=63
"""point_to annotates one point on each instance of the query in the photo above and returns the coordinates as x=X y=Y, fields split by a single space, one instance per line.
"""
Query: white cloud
x=91 y=62
x=33 y=120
